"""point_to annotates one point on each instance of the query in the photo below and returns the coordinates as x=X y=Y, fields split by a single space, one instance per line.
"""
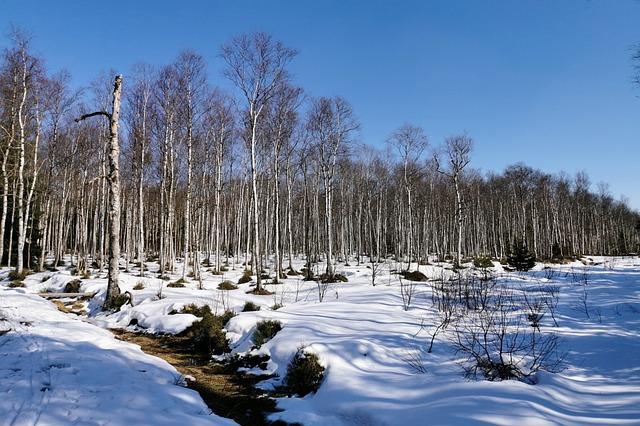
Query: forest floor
x=377 y=369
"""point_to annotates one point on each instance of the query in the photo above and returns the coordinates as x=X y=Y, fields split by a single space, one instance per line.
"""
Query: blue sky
x=544 y=82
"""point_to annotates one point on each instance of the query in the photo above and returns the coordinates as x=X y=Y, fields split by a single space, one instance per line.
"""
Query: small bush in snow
x=414 y=276
x=227 y=285
x=73 y=286
x=14 y=275
x=245 y=278
x=501 y=342
x=121 y=300
x=304 y=373
x=139 y=286
x=265 y=330
x=176 y=284
x=16 y=283
x=335 y=278
x=250 y=307
x=207 y=335
x=482 y=262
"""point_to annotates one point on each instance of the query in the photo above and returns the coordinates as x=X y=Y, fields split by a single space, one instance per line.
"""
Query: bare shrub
x=415 y=360
x=407 y=291
x=582 y=279
x=376 y=269
x=499 y=343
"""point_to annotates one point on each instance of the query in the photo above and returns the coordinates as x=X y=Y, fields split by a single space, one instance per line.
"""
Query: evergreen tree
x=520 y=258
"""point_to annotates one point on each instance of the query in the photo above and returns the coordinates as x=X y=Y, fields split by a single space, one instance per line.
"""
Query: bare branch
x=85 y=116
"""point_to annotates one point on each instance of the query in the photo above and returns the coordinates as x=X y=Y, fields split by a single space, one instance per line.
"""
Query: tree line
x=259 y=176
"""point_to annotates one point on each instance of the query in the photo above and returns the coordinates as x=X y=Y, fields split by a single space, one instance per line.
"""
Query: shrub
x=14 y=275
x=175 y=285
x=207 y=335
x=265 y=330
x=499 y=344
x=16 y=283
x=215 y=272
x=73 y=286
x=45 y=278
x=86 y=275
x=178 y=284
x=250 y=307
x=520 y=258
x=276 y=306
x=293 y=272
x=227 y=285
x=482 y=262
x=226 y=316
x=413 y=275
x=335 y=278
x=139 y=286
x=304 y=373
x=262 y=292
x=245 y=278
x=120 y=300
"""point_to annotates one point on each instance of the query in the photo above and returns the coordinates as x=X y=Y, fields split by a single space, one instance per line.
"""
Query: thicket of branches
x=262 y=175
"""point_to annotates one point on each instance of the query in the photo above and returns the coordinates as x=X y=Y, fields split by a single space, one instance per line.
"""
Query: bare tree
x=256 y=64
x=331 y=123
x=140 y=110
x=192 y=83
x=113 y=179
x=458 y=150
x=410 y=142
x=282 y=123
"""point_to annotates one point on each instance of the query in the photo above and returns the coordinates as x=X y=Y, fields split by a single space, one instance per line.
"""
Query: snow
x=366 y=341
x=56 y=369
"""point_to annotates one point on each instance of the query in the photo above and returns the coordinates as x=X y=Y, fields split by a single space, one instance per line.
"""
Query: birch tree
x=410 y=142
x=113 y=180
x=192 y=84
x=331 y=124
x=256 y=64
x=458 y=152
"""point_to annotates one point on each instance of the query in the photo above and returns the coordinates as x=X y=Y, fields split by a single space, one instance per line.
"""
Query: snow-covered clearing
x=362 y=335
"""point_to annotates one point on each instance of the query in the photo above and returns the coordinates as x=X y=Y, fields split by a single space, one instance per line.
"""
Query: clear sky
x=545 y=82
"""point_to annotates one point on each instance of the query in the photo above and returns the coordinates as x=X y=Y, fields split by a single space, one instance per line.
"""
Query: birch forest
x=259 y=176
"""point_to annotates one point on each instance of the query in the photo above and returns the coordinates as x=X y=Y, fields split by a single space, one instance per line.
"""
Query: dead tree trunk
x=113 y=181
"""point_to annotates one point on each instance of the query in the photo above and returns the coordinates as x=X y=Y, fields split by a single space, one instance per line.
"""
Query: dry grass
x=76 y=307
x=226 y=392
